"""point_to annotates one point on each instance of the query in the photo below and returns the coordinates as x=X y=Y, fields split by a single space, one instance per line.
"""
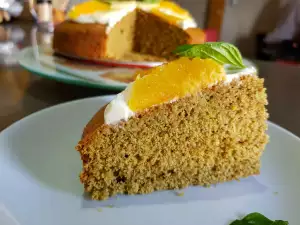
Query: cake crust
x=80 y=40
x=214 y=136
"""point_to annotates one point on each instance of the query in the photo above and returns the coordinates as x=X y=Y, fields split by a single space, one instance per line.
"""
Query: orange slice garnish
x=88 y=7
x=173 y=80
x=172 y=6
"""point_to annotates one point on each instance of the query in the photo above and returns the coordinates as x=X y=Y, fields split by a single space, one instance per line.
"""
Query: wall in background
x=198 y=8
x=244 y=19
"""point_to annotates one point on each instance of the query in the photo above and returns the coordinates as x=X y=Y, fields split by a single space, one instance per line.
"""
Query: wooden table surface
x=22 y=93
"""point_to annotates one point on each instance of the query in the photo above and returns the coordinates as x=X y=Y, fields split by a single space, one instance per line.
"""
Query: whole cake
x=187 y=122
x=128 y=30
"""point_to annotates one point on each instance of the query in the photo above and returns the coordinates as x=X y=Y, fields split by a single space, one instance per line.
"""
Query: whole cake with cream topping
x=125 y=30
x=187 y=122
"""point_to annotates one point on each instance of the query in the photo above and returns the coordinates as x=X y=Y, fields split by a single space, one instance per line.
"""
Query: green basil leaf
x=237 y=222
x=182 y=48
x=280 y=222
x=221 y=52
x=258 y=219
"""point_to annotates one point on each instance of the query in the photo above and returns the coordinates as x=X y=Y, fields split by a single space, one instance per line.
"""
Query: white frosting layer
x=118 y=11
x=234 y=74
x=118 y=108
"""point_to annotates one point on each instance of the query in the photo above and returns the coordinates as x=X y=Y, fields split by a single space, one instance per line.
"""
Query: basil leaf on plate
x=258 y=219
x=221 y=52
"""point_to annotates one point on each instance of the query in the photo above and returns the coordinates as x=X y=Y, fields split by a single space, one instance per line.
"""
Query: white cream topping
x=110 y=18
x=118 y=11
x=235 y=74
x=118 y=108
x=187 y=23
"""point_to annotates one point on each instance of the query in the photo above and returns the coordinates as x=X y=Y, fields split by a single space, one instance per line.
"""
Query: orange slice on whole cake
x=87 y=8
x=172 y=6
x=171 y=12
x=170 y=18
x=173 y=80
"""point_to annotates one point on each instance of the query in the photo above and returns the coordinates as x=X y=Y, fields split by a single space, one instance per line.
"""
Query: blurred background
x=262 y=29
x=265 y=31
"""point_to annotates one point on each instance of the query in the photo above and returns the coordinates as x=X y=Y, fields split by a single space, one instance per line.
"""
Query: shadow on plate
x=234 y=189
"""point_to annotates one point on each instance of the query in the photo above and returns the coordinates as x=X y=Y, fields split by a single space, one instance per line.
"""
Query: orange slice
x=173 y=80
x=170 y=18
x=172 y=6
x=87 y=8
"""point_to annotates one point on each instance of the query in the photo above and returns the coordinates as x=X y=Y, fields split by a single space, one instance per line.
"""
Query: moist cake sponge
x=213 y=136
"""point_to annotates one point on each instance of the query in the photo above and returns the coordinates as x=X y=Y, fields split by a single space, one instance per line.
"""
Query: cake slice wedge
x=180 y=124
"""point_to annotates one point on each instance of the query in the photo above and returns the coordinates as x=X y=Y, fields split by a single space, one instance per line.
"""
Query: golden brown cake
x=139 y=35
x=201 y=127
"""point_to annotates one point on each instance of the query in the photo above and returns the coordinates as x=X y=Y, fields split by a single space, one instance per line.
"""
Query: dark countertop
x=22 y=93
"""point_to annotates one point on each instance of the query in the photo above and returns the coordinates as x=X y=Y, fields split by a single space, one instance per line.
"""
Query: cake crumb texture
x=214 y=136
x=157 y=37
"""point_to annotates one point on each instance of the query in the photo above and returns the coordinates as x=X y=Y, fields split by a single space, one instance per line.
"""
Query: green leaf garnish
x=221 y=52
x=258 y=219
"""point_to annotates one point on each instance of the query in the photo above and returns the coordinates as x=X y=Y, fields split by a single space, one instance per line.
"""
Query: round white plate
x=39 y=182
x=115 y=62
x=41 y=61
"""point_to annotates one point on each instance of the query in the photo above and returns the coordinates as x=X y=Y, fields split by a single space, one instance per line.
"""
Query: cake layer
x=214 y=136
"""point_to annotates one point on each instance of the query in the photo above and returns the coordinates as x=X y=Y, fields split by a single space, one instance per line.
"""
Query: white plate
x=39 y=180
x=41 y=61
x=115 y=62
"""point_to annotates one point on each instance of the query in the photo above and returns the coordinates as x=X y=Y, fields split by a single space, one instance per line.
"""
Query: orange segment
x=171 y=12
x=172 y=80
x=87 y=8
x=197 y=35
x=174 y=7
x=170 y=18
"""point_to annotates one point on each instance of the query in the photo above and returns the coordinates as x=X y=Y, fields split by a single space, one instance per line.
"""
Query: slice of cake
x=127 y=30
x=187 y=122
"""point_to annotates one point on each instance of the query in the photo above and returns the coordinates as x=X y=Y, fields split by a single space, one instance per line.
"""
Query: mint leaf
x=258 y=219
x=221 y=52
